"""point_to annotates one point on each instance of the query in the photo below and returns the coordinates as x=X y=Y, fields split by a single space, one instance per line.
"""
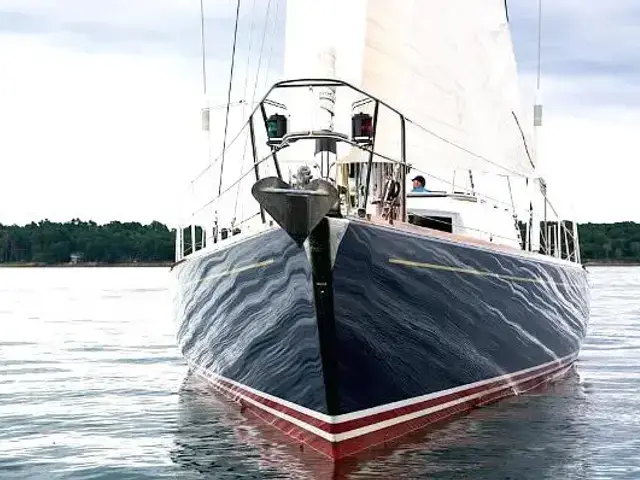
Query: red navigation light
x=362 y=128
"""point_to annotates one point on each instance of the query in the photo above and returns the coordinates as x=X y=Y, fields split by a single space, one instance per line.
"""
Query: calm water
x=92 y=387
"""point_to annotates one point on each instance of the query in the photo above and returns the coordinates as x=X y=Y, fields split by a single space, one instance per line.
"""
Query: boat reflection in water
x=541 y=434
x=220 y=439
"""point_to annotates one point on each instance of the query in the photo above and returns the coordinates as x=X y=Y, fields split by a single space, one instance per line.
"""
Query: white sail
x=448 y=65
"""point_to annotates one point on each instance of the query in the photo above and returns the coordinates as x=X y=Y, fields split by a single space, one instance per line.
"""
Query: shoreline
x=168 y=264
x=165 y=264
x=610 y=263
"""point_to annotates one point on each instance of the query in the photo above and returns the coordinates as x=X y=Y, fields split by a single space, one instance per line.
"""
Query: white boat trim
x=336 y=419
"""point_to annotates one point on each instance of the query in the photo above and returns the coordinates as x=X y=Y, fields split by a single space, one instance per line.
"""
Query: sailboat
x=382 y=275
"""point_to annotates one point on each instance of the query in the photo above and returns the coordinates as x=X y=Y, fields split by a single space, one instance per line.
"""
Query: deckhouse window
x=444 y=224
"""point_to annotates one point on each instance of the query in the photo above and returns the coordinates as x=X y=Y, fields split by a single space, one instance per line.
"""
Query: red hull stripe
x=441 y=400
x=380 y=436
x=342 y=427
x=341 y=445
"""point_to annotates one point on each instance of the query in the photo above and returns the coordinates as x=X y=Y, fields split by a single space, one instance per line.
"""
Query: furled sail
x=447 y=65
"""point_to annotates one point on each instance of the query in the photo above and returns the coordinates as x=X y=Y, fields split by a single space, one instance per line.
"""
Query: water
x=92 y=387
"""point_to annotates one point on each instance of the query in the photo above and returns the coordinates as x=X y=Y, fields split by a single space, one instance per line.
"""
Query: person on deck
x=418 y=184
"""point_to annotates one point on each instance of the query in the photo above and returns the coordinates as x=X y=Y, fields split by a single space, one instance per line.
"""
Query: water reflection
x=539 y=435
x=89 y=390
x=215 y=438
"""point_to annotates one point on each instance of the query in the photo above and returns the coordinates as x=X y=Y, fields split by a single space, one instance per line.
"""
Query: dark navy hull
x=423 y=326
x=419 y=316
x=247 y=313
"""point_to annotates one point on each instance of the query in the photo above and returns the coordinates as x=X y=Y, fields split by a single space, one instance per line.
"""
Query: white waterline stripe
x=315 y=430
x=377 y=426
x=358 y=432
x=542 y=380
x=389 y=406
x=293 y=406
x=430 y=396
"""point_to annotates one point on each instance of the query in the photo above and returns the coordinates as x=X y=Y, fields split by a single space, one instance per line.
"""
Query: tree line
x=115 y=242
x=610 y=241
x=125 y=242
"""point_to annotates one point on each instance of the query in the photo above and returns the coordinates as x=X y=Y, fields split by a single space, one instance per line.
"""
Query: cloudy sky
x=100 y=101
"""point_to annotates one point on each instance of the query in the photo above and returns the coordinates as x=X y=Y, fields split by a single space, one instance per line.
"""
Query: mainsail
x=447 y=65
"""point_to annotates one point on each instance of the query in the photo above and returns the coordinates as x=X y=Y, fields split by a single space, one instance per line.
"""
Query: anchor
x=298 y=208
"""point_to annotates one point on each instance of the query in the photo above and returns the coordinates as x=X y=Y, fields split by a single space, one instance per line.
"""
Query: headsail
x=448 y=65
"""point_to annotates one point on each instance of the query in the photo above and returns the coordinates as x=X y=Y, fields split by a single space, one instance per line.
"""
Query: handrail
x=366 y=149
x=329 y=82
x=370 y=149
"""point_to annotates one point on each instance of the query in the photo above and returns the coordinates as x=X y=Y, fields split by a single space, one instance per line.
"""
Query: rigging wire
x=270 y=155
x=272 y=43
x=408 y=120
x=264 y=34
x=225 y=146
x=244 y=96
x=384 y=157
x=464 y=149
x=203 y=45
x=539 y=42
x=255 y=91
x=226 y=121
x=231 y=143
x=246 y=78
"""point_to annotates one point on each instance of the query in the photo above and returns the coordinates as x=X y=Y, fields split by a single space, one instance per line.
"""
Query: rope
x=233 y=63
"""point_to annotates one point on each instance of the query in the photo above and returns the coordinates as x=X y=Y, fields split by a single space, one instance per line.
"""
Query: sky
x=100 y=101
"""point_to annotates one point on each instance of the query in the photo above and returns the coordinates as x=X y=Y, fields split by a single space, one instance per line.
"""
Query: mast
x=326 y=149
x=537 y=124
x=206 y=110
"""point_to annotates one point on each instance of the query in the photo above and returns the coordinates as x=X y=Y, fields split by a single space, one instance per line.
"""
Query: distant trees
x=116 y=242
x=121 y=242
x=610 y=241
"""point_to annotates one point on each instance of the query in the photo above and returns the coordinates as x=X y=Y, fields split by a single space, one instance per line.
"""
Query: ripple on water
x=92 y=387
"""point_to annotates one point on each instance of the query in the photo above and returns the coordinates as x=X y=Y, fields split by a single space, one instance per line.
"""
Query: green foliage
x=116 y=242
x=610 y=241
